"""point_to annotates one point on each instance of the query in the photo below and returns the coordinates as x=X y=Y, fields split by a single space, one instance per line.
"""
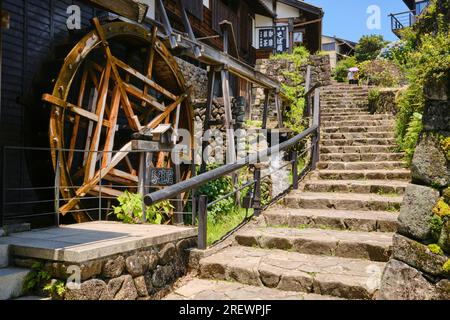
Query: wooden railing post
x=294 y=158
x=257 y=192
x=202 y=222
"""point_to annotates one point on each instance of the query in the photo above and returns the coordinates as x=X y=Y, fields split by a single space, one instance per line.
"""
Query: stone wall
x=145 y=274
x=276 y=69
x=420 y=267
x=386 y=101
x=195 y=77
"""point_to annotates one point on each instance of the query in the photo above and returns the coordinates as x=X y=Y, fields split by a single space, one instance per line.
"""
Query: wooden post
x=316 y=121
x=279 y=110
x=202 y=222
x=141 y=183
x=231 y=149
x=257 y=192
x=178 y=216
x=188 y=27
x=294 y=158
x=266 y=108
x=167 y=25
x=57 y=187
x=206 y=123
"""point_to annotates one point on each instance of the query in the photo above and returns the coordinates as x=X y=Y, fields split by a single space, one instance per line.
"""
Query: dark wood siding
x=194 y=7
x=37 y=27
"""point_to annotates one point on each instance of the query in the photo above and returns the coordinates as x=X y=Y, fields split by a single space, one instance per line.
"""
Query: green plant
x=446 y=267
x=411 y=137
x=436 y=249
x=374 y=98
x=436 y=226
x=36 y=278
x=130 y=209
x=55 y=289
x=442 y=209
x=341 y=70
x=369 y=47
x=380 y=72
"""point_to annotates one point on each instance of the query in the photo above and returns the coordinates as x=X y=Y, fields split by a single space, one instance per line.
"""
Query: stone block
x=417 y=211
x=429 y=164
x=418 y=256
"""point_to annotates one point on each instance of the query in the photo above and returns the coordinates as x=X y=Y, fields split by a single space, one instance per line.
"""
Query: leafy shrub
x=369 y=47
x=36 y=279
x=428 y=59
x=293 y=89
x=341 y=70
x=380 y=72
x=130 y=210
x=436 y=226
x=409 y=142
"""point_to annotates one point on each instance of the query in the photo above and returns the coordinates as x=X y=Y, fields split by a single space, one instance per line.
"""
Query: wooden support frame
x=130 y=9
x=265 y=108
x=206 y=123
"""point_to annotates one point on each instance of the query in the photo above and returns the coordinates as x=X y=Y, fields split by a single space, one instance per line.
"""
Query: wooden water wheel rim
x=60 y=105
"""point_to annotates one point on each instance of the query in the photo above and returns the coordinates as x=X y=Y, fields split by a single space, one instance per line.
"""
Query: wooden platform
x=93 y=240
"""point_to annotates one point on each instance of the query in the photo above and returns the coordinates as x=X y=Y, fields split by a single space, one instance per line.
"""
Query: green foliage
x=214 y=190
x=374 y=98
x=446 y=267
x=293 y=89
x=442 y=209
x=130 y=210
x=36 y=278
x=409 y=142
x=436 y=226
x=436 y=249
x=369 y=47
x=427 y=62
x=341 y=70
x=55 y=289
x=445 y=145
x=380 y=72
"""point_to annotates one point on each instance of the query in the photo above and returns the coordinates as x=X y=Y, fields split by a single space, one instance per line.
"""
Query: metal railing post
x=257 y=192
x=100 y=190
x=316 y=121
x=202 y=222
x=57 y=186
x=3 y=200
x=294 y=158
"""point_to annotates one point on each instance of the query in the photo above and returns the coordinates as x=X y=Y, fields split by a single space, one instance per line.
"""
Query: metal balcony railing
x=402 y=20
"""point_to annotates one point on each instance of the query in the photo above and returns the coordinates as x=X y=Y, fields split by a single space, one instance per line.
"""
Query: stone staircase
x=11 y=279
x=333 y=237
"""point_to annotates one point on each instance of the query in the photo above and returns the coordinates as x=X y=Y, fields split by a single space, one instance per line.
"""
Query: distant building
x=402 y=20
x=286 y=24
x=337 y=49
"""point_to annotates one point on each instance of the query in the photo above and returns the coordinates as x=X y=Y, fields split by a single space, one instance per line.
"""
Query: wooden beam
x=126 y=8
x=148 y=99
x=73 y=108
x=132 y=119
x=297 y=25
x=109 y=144
x=144 y=79
x=100 y=111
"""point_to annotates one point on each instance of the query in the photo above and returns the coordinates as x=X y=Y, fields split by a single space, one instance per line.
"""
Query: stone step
x=11 y=282
x=292 y=271
x=202 y=289
x=342 y=201
x=351 y=129
x=374 y=246
x=331 y=113
x=367 y=221
x=337 y=111
x=353 y=117
x=372 y=165
x=357 y=123
x=357 y=186
x=4 y=255
x=358 y=149
x=358 y=142
x=358 y=135
x=355 y=157
x=398 y=174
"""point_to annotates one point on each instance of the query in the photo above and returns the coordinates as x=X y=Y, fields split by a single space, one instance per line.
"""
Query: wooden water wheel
x=118 y=80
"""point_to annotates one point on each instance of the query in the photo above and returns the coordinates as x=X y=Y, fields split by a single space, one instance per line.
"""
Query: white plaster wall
x=285 y=11
x=151 y=10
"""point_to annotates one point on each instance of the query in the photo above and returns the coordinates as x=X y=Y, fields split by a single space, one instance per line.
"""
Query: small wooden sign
x=162 y=177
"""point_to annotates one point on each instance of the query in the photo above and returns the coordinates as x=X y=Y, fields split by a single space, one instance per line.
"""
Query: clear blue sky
x=348 y=18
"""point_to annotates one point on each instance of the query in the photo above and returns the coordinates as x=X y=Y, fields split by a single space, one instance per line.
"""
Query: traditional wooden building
x=337 y=48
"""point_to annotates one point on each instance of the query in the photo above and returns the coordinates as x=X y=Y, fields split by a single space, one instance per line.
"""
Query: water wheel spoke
x=73 y=108
x=145 y=97
x=109 y=144
x=100 y=112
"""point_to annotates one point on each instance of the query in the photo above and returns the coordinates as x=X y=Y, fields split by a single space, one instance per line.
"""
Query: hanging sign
x=281 y=39
x=266 y=38
x=162 y=177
